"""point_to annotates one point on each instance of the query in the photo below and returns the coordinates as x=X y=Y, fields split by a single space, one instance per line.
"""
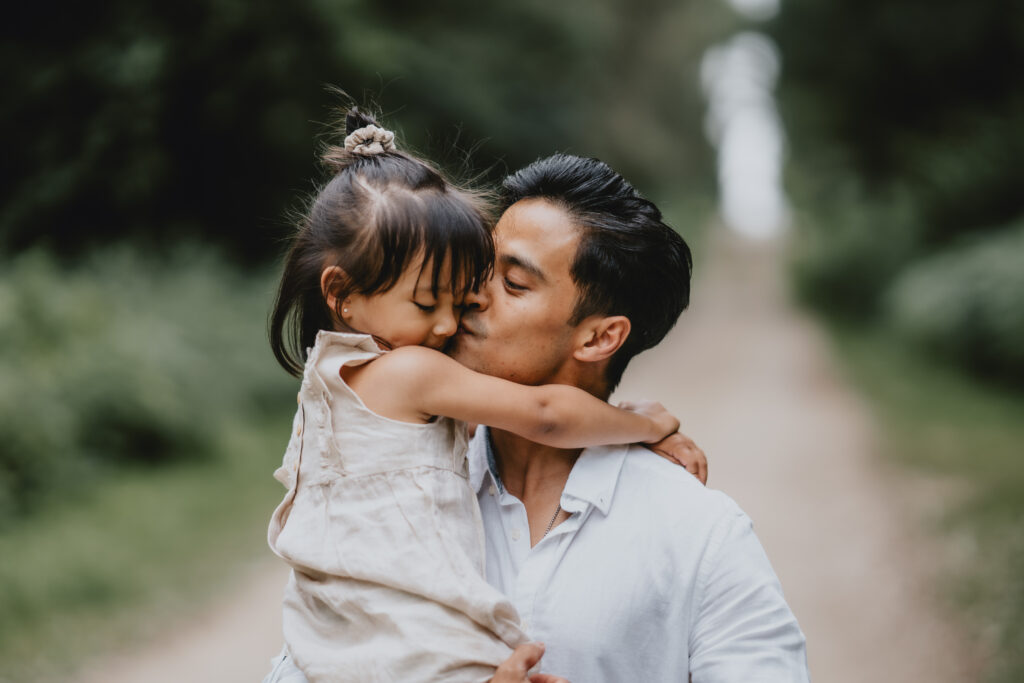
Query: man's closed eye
x=515 y=287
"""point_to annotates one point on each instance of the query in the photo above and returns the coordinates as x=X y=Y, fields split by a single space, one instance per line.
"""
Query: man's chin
x=462 y=347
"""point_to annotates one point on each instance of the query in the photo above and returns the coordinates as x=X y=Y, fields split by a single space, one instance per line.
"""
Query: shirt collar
x=595 y=475
x=592 y=480
x=479 y=457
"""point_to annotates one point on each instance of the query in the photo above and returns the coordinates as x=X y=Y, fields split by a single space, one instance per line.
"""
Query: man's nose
x=478 y=300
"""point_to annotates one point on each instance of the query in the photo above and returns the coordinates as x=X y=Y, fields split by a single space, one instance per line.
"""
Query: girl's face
x=408 y=314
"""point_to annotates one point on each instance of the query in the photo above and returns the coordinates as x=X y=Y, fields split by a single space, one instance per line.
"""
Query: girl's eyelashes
x=425 y=308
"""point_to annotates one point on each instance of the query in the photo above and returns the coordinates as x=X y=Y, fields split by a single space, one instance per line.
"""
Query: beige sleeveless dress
x=385 y=540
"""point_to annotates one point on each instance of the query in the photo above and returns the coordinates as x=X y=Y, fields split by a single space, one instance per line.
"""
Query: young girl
x=379 y=524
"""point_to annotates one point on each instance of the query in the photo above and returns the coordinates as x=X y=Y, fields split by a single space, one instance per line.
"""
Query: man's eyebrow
x=530 y=267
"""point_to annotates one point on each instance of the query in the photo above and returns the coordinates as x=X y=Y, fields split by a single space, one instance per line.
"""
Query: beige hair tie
x=370 y=140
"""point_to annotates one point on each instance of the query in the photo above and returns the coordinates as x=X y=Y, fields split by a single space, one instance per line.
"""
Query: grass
x=136 y=550
x=937 y=420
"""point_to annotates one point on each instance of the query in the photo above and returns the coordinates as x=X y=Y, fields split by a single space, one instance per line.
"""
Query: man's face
x=521 y=329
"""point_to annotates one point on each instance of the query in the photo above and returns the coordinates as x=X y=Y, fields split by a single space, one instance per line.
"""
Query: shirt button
x=298 y=431
x=516 y=534
x=298 y=399
x=492 y=490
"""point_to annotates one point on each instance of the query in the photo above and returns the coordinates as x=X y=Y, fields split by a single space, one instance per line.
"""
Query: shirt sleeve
x=743 y=632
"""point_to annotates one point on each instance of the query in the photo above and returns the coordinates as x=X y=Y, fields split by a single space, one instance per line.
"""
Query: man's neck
x=536 y=475
x=531 y=471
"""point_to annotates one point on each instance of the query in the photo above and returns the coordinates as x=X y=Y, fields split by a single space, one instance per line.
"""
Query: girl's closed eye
x=426 y=308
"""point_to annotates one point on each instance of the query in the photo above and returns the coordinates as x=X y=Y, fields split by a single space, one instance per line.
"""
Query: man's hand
x=681 y=450
x=515 y=669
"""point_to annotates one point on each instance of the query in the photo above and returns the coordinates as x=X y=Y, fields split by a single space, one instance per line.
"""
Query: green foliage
x=893 y=83
x=969 y=183
x=848 y=249
x=157 y=115
x=968 y=303
x=201 y=119
x=919 y=106
x=123 y=360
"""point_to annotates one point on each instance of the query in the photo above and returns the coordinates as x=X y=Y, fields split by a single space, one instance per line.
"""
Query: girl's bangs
x=459 y=234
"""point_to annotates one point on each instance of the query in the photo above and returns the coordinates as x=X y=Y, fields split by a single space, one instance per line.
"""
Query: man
x=620 y=562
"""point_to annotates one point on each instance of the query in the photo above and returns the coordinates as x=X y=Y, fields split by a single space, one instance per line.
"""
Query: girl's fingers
x=702 y=465
x=515 y=668
x=681 y=450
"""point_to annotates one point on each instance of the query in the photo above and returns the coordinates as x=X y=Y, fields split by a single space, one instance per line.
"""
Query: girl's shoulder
x=357 y=348
x=393 y=384
x=406 y=364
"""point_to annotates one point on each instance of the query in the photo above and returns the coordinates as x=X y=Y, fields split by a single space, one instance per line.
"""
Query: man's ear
x=332 y=280
x=600 y=337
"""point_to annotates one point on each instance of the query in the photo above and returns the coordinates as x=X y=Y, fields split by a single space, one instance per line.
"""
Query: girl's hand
x=681 y=449
x=516 y=668
x=664 y=423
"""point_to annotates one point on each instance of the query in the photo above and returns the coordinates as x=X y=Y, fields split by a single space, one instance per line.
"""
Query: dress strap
x=335 y=350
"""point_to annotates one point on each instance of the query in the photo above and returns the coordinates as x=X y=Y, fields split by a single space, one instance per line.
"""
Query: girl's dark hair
x=376 y=215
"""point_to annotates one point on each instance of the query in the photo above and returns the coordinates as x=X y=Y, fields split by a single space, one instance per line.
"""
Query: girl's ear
x=332 y=280
x=600 y=337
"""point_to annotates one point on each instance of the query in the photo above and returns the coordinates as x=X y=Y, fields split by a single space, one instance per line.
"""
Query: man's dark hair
x=629 y=262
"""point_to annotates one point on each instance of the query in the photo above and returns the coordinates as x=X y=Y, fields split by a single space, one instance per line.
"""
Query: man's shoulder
x=650 y=479
x=669 y=510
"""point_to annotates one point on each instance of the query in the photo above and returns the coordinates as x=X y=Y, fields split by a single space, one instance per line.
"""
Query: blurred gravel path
x=753 y=384
x=227 y=641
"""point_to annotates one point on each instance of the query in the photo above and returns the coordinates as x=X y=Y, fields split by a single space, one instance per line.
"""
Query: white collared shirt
x=652 y=577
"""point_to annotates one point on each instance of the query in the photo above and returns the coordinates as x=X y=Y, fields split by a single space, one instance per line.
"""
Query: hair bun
x=370 y=140
x=364 y=137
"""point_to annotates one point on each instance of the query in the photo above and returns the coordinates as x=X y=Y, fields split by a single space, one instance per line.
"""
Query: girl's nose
x=447 y=324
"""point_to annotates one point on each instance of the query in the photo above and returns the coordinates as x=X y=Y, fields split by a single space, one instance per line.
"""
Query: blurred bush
x=967 y=302
x=848 y=249
x=124 y=360
x=918 y=106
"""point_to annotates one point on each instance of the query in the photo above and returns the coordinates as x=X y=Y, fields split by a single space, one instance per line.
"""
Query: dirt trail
x=227 y=641
x=752 y=382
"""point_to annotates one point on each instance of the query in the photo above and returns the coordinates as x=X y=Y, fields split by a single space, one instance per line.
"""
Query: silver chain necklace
x=553 y=518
